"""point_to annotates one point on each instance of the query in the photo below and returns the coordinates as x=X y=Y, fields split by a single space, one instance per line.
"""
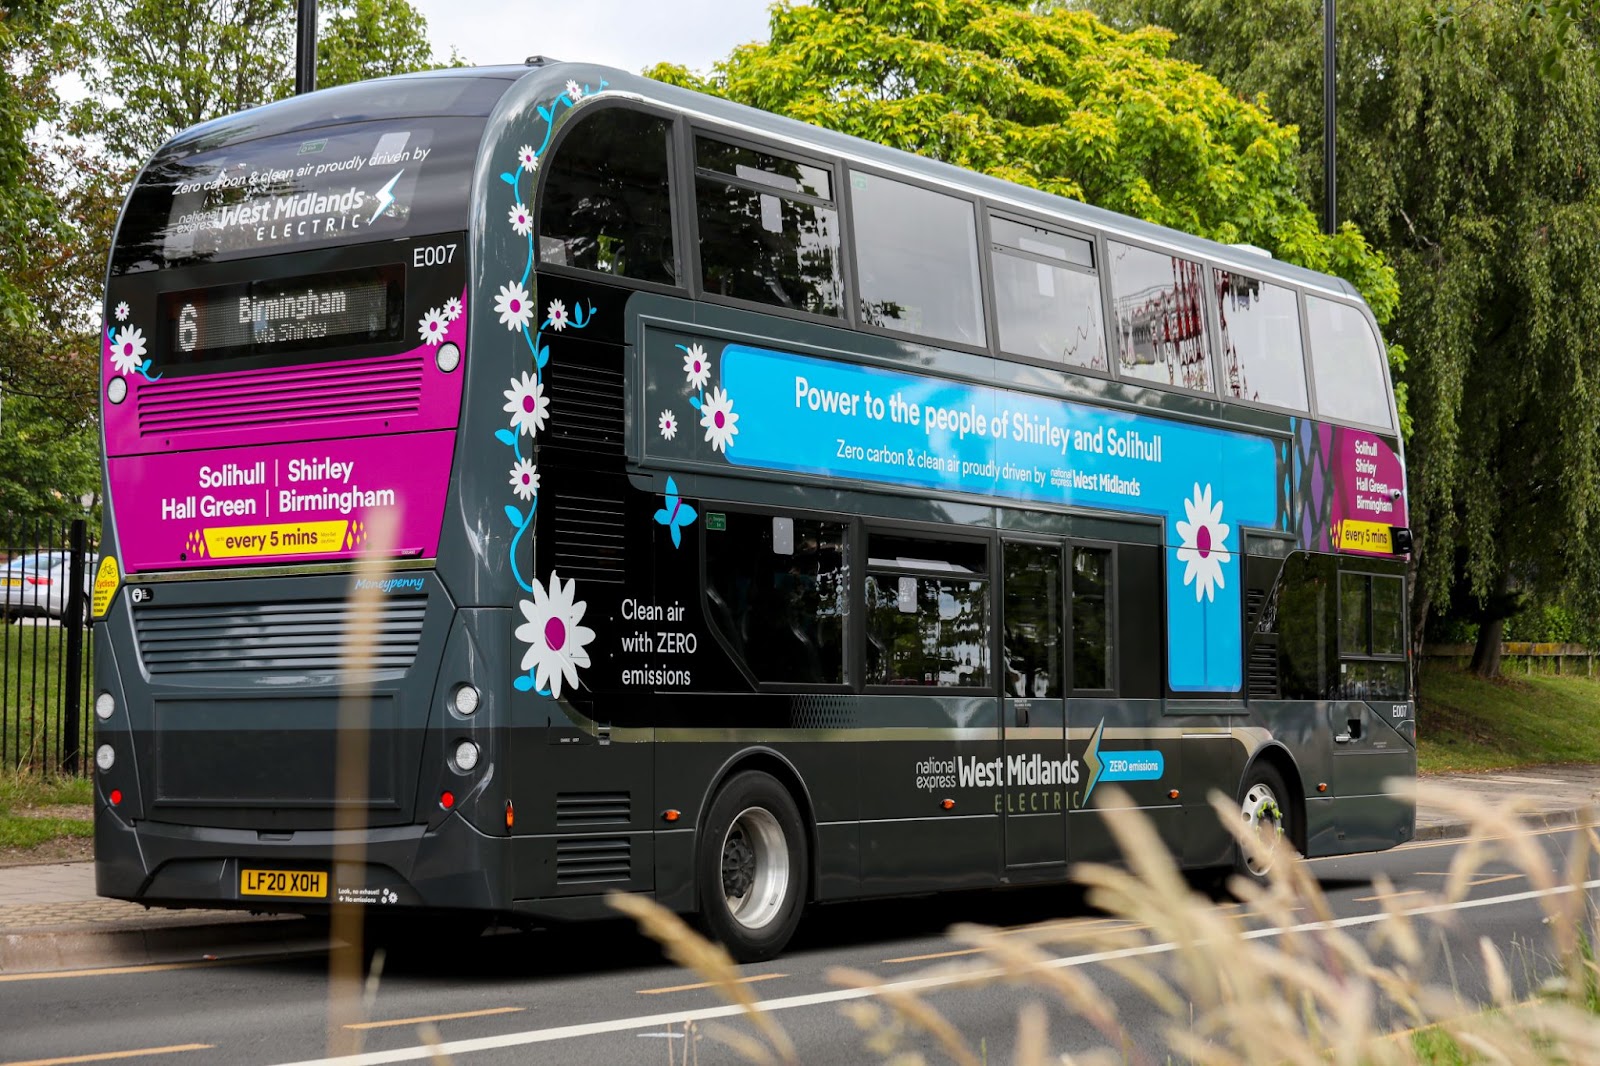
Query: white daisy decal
x=668 y=424
x=432 y=327
x=696 y=367
x=526 y=404
x=554 y=637
x=521 y=221
x=1205 y=544
x=452 y=309
x=528 y=159
x=557 y=315
x=574 y=91
x=122 y=311
x=525 y=479
x=512 y=303
x=127 y=350
x=716 y=415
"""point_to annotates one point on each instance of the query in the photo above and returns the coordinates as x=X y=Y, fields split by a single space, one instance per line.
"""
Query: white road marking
x=841 y=995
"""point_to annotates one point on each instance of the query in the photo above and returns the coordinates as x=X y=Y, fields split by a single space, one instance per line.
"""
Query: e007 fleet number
x=433 y=255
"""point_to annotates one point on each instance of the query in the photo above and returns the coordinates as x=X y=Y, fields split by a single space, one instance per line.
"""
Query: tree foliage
x=1470 y=158
x=26 y=98
x=170 y=64
x=1055 y=100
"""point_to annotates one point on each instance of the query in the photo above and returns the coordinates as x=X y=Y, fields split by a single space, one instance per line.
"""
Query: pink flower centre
x=127 y=349
x=697 y=366
x=1202 y=541
x=718 y=419
x=528 y=404
x=516 y=306
x=525 y=479
x=555 y=634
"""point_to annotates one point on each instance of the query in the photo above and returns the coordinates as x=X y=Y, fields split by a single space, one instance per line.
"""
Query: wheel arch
x=776 y=766
x=1277 y=756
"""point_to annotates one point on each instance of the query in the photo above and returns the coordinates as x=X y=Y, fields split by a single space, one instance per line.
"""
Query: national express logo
x=1030 y=781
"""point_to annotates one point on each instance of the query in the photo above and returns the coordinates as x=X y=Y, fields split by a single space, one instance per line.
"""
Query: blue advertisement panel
x=779 y=411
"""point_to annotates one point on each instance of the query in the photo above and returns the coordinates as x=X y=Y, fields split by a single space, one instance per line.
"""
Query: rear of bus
x=284 y=372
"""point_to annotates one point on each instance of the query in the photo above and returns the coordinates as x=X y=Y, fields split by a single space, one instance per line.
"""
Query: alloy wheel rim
x=755 y=868
x=1264 y=816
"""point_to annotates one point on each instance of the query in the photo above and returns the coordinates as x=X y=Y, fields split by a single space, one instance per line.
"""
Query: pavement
x=51 y=919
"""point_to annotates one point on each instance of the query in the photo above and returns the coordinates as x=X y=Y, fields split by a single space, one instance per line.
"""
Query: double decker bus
x=678 y=499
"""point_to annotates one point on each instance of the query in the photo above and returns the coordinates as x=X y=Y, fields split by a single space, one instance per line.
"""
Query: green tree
x=1468 y=154
x=26 y=98
x=170 y=64
x=1052 y=99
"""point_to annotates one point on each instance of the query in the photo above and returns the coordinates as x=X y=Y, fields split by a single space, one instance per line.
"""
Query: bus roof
x=474 y=91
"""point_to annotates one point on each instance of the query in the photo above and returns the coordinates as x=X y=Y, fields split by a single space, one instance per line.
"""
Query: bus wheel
x=1266 y=810
x=751 y=867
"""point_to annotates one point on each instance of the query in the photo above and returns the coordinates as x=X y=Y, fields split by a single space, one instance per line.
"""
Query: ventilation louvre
x=1262 y=679
x=304 y=635
x=579 y=809
x=587 y=532
x=586 y=400
x=387 y=388
x=585 y=859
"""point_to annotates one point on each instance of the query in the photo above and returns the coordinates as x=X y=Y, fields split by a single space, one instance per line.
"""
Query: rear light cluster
x=465 y=754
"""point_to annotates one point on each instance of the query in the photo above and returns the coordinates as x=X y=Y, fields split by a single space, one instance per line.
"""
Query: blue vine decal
x=556 y=640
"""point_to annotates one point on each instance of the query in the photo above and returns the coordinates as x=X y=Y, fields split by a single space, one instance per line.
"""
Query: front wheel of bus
x=1266 y=808
x=751 y=867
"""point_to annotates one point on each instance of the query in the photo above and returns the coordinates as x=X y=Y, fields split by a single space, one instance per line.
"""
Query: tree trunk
x=1492 y=629
x=1486 y=655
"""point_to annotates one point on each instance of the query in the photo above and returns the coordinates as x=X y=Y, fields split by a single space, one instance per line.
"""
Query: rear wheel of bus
x=750 y=865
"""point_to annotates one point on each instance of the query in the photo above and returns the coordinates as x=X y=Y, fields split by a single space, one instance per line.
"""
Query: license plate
x=13 y=583
x=302 y=884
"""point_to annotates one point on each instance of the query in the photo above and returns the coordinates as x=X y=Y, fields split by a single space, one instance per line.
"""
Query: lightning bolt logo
x=385 y=197
x=1091 y=756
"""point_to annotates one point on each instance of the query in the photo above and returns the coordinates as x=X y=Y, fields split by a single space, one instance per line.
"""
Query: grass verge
x=27 y=809
x=1466 y=723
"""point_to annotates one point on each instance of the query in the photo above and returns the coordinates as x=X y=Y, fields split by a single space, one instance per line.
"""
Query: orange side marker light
x=672 y=814
x=948 y=804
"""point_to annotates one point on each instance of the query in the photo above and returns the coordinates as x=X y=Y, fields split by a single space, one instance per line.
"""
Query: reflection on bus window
x=1161 y=327
x=1262 y=358
x=917 y=253
x=1346 y=364
x=927 y=613
x=1032 y=620
x=608 y=203
x=1047 y=295
x=769 y=230
x=1091 y=619
x=779 y=591
x=1371 y=637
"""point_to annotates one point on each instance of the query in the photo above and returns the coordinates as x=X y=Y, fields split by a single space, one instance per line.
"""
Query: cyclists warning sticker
x=106 y=581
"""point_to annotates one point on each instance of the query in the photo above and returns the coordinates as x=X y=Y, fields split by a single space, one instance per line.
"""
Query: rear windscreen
x=373 y=181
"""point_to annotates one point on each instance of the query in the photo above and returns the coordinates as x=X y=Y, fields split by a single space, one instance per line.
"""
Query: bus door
x=1033 y=712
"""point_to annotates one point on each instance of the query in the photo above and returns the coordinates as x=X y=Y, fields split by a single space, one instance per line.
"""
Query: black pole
x=72 y=625
x=305 y=53
x=1330 y=200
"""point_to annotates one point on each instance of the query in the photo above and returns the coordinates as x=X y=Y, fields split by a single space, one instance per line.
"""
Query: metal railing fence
x=46 y=646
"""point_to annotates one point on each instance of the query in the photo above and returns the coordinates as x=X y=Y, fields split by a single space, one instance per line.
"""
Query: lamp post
x=1330 y=210
x=305 y=53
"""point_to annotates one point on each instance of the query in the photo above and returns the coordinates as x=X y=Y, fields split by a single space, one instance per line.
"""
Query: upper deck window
x=1262 y=358
x=1161 y=325
x=340 y=185
x=607 y=203
x=769 y=228
x=1346 y=364
x=1047 y=295
x=917 y=252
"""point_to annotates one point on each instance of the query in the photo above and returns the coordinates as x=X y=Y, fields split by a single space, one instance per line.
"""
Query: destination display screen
x=348 y=308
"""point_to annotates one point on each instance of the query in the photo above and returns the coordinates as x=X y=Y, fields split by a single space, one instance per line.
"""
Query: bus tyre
x=750 y=865
x=1267 y=809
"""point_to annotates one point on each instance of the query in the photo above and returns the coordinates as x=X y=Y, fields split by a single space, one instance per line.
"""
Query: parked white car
x=37 y=584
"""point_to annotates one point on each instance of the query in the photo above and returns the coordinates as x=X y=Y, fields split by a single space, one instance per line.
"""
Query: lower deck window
x=927 y=615
x=779 y=591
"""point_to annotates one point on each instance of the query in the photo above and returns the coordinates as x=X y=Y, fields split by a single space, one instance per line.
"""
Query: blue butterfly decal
x=676 y=514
